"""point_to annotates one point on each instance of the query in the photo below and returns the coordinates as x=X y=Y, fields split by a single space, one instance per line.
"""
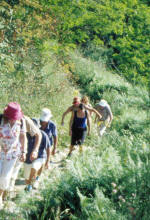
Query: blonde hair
x=85 y=99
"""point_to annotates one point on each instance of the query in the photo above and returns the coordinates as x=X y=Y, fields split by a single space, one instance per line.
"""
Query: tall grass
x=45 y=84
x=110 y=179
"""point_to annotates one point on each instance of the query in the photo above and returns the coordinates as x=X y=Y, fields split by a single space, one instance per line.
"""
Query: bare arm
x=35 y=150
x=33 y=131
x=96 y=117
x=38 y=138
x=23 y=142
x=93 y=110
x=110 y=114
x=55 y=145
x=64 y=114
x=88 y=123
x=48 y=151
x=111 y=118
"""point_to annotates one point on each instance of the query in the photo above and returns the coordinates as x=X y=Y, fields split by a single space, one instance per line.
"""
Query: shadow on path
x=20 y=182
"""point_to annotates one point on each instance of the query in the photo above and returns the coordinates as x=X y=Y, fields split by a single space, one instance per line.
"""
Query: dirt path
x=10 y=205
x=57 y=162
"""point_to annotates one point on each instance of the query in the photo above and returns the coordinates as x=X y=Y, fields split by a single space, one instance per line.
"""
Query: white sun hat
x=103 y=103
x=45 y=114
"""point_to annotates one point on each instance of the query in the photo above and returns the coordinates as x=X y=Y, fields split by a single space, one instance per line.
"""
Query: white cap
x=45 y=114
x=103 y=103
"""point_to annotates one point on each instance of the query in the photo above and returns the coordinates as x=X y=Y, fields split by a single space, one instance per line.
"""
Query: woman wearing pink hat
x=12 y=144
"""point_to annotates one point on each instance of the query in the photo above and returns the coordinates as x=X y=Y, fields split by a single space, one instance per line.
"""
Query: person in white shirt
x=104 y=109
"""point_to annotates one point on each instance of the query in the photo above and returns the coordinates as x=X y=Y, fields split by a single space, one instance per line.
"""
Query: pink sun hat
x=13 y=111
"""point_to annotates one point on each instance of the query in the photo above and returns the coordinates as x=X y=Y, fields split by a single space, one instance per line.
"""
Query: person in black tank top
x=75 y=106
x=79 y=123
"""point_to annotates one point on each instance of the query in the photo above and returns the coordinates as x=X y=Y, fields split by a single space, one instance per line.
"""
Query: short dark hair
x=35 y=121
x=81 y=106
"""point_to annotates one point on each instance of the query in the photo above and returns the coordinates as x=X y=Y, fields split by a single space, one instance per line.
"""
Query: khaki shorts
x=36 y=164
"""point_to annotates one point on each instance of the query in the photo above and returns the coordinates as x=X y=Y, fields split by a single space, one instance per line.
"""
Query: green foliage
x=116 y=30
x=98 y=208
x=111 y=179
x=121 y=26
x=85 y=188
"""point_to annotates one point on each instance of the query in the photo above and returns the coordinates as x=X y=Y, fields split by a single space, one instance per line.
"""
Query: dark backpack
x=1 y=116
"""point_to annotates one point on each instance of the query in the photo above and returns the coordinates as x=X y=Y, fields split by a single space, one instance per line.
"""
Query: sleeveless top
x=80 y=122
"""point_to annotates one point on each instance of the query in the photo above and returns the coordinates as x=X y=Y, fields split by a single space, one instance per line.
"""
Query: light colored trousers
x=15 y=172
x=6 y=171
x=102 y=125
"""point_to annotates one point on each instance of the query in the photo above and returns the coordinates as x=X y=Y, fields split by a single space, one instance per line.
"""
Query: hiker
x=74 y=107
x=34 y=132
x=34 y=168
x=78 y=127
x=85 y=101
x=107 y=116
x=12 y=144
x=49 y=127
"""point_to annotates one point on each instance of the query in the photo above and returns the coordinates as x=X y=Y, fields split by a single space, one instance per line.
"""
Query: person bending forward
x=34 y=168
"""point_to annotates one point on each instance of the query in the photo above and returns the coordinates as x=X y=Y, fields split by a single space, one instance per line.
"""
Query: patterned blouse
x=10 y=146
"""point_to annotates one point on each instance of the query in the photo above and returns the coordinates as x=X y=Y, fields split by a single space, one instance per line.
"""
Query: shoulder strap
x=74 y=118
x=75 y=113
x=21 y=124
x=86 y=113
x=1 y=116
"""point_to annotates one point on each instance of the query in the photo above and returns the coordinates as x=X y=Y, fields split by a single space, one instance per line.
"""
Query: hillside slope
x=112 y=174
x=40 y=68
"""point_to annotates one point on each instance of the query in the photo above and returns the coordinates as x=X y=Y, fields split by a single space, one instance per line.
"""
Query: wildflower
x=121 y=199
x=114 y=191
x=131 y=137
x=114 y=184
x=134 y=195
